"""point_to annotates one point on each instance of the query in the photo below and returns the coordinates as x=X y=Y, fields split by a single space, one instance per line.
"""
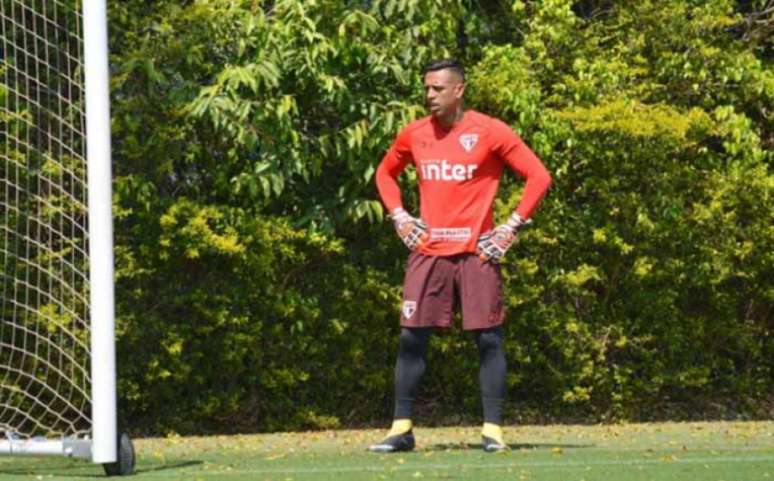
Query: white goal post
x=57 y=348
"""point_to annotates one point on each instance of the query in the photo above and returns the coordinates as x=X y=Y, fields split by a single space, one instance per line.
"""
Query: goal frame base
x=67 y=447
x=70 y=447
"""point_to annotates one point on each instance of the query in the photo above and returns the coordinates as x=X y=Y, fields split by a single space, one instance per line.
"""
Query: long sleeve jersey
x=459 y=172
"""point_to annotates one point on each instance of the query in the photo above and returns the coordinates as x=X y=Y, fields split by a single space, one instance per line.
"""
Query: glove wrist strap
x=399 y=214
x=516 y=222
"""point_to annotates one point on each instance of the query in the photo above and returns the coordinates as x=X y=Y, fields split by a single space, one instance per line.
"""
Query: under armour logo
x=468 y=141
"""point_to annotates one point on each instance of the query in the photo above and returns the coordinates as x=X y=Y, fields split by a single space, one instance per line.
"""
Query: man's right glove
x=412 y=231
x=494 y=244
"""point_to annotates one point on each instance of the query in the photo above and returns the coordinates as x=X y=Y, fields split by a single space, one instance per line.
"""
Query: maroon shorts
x=435 y=285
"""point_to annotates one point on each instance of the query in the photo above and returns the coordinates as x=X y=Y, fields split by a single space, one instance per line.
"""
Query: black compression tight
x=411 y=365
x=491 y=374
x=409 y=368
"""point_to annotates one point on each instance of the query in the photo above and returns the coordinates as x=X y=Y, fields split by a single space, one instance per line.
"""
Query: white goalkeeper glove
x=493 y=245
x=412 y=231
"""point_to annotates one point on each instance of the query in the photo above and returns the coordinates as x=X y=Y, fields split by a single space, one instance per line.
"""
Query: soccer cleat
x=400 y=438
x=492 y=439
x=492 y=445
x=394 y=443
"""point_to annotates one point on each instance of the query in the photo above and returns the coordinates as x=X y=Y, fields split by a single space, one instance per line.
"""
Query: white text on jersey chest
x=442 y=169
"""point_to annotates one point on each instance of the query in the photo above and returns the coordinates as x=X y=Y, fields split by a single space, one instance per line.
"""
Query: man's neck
x=447 y=122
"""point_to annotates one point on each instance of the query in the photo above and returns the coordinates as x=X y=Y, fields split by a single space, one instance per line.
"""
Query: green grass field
x=654 y=452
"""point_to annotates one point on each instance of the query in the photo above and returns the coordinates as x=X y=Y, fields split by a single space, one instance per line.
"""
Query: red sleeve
x=515 y=153
x=393 y=163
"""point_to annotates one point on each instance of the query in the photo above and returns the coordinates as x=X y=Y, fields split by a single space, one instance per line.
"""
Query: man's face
x=443 y=92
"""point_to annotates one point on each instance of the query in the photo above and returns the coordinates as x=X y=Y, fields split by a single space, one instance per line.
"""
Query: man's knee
x=490 y=339
x=414 y=341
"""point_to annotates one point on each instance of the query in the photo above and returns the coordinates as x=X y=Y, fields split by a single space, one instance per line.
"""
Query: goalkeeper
x=455 y=248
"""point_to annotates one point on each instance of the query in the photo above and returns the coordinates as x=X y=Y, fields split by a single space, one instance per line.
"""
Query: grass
x=719 y=451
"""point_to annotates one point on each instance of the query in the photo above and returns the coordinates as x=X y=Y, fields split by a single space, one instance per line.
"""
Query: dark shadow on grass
x=167 y=466
x=514 y=446
x=84 y=469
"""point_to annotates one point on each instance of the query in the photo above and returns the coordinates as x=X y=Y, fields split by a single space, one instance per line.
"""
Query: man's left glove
x=412 y=231
x=494 y=244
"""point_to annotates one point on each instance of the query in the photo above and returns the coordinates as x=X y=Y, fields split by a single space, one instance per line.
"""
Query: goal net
x=57 y=368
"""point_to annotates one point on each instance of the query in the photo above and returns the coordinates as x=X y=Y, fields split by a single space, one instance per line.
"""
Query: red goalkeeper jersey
x=459 y=172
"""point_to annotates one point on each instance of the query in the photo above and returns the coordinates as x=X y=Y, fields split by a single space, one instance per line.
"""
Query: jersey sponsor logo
x=409 y=308
x=450 y=234
x=468 y=141
x=444 y=170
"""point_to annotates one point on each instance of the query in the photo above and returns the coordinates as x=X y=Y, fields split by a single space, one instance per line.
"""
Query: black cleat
x=492 y=445
x=394 y=444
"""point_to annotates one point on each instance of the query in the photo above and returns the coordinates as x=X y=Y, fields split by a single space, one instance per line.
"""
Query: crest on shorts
x=409 y=308
x=468 y=141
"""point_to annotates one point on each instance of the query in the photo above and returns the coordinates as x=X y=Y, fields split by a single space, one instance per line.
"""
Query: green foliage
x=259 y=286
x=297 y=101
x=645 y=307
x=245 y=323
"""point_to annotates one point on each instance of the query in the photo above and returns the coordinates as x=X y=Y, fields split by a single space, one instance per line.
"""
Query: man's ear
x=459 y=90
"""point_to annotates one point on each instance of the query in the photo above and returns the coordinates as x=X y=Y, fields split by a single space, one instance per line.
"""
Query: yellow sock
x=493 y=431
x=400 y=426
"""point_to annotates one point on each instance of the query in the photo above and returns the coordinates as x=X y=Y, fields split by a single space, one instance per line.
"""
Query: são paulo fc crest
x=468 y=141
x=409 y=308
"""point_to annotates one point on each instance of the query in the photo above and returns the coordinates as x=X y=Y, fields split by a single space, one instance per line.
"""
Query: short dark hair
x=448 y=63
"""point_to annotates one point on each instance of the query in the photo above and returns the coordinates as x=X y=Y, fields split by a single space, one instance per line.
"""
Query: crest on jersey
x=409 y=308
x=468 y=141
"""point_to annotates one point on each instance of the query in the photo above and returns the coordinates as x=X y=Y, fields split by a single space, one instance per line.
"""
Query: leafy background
x=259 y=284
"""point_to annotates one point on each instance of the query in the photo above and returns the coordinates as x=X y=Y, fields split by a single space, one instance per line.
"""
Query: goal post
x=103 y=363
x=57 y=347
